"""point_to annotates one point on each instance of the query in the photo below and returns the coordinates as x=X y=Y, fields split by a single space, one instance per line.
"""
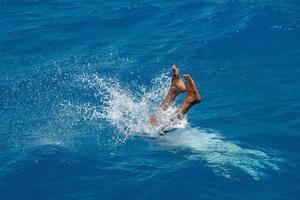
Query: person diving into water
x=177 y=86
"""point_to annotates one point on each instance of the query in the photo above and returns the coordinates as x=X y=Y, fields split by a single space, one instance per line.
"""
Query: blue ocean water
x=80 y=78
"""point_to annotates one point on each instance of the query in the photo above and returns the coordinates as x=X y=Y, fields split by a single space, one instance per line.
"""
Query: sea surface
x=79 y=80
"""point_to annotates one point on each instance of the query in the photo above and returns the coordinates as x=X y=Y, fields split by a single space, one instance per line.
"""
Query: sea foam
x=128 y=112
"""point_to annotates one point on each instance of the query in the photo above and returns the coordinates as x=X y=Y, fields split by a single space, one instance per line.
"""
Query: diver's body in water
x=178 y=86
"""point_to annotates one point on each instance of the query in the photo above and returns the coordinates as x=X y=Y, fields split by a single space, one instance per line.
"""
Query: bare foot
x=192 y=94
x=177 y=84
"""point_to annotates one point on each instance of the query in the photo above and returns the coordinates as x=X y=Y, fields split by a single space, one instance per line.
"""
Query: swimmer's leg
x=177 y=86
x=192 y=97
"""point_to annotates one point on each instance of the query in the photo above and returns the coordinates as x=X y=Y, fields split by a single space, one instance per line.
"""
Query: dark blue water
x=80 y=78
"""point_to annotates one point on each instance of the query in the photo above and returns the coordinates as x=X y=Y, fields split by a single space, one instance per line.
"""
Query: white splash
x=223 y=157
x=129 y=111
